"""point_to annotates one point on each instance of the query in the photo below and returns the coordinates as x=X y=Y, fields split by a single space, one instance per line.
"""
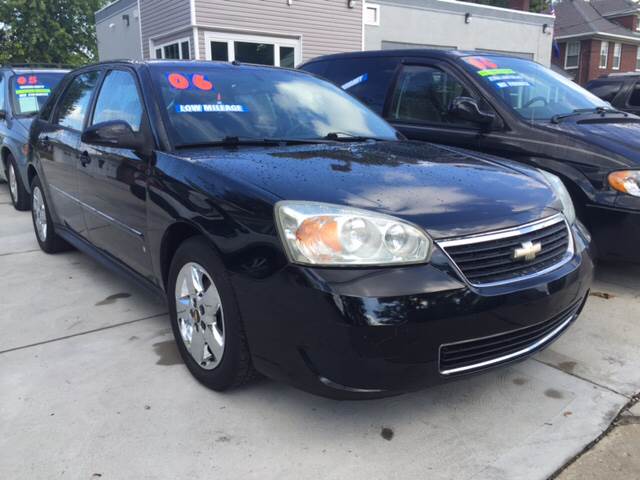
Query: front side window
x=210 y=103
x=30 y=91
x=534 y=92
x=119 y=100
x=572 y=58
x=605 y=90
x=634 y=99
x=604 y=54
x=617 y=54
x=424 y=95
x=73 y=105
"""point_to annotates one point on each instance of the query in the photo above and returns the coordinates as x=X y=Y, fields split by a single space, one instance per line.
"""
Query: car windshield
x=534 y=92
x=29 y=91
x=209 y=103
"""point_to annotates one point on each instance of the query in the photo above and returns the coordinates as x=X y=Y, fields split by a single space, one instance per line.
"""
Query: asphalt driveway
x=91 y=386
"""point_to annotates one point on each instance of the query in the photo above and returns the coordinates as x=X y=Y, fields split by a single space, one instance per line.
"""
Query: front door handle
x=85 y=159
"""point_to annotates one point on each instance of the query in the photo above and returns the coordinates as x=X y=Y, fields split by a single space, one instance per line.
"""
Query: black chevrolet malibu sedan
x=517 y=109
x=293 y=234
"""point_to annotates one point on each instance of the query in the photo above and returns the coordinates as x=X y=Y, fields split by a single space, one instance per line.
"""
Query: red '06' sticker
x=181 y=82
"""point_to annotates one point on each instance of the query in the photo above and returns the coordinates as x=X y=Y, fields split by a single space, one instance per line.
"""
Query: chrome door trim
x=109 y=218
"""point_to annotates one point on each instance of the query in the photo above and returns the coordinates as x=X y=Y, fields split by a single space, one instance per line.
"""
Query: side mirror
x=115 y=134
x=467 y=108
x=3 y=114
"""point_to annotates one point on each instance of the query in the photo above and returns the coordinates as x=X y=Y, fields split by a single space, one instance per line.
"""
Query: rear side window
x=74 y=103
x=605 y=90
x=366 y=78
x=119 y=100
x=634 y=99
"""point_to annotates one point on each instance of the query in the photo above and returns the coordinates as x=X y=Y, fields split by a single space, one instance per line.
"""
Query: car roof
x=410 y=52
x=36 y=68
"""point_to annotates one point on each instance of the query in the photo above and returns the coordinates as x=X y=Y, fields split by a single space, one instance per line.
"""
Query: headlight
x=331 y=235
x=567 y=204
x=627 y=181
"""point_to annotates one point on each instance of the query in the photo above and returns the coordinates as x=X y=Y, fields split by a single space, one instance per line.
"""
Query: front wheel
x=46 y=235
x=205 y=318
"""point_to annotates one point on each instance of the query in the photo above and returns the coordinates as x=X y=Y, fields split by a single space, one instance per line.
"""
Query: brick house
x=597 y=37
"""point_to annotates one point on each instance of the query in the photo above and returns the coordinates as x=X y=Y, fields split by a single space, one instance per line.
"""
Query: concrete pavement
x=91 y=386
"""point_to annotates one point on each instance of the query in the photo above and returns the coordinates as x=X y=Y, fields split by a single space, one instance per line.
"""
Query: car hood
x=620 y=137
x=449 y=192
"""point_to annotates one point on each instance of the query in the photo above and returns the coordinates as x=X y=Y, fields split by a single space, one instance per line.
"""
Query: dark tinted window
x=186 y=51
x=258 y=53
x=317 y=68
x=366 y=78
x=220 y=51
x=424 y=94
x=287 y=57
x=605 y=90
x=634 y=99
x=74 y=103
x=119 y=100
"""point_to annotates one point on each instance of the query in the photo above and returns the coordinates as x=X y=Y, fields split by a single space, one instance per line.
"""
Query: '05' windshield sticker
x=182 y=82
x=30 y=86
x=211 y=108
x=356 y=81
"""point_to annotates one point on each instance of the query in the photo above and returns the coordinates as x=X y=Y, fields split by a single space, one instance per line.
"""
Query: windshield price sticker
x=211 y=108
x=496 y=71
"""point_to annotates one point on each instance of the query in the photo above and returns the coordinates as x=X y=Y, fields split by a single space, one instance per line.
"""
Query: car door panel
x=113 y=180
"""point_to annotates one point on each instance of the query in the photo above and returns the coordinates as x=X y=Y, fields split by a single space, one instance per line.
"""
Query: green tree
x=48 y=31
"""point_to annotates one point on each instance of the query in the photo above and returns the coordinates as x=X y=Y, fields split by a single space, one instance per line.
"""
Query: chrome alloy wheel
x=200 y=316
x=13 y=183
x=39 y=214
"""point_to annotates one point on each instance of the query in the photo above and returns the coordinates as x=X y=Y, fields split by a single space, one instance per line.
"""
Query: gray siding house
x=276 y=32
x=289 y=32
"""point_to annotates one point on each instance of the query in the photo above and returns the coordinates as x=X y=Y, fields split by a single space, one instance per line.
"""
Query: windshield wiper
x=581 y=111
x=348 y=137
x=231 y=141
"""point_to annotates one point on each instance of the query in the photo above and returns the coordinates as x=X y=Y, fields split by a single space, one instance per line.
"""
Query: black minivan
x=514 y=108
x=291 y=231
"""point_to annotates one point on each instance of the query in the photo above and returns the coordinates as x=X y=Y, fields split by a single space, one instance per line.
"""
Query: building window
x=572 y=56
x=228 y=47
x=638 y=59
x=177 y=50
x=604 y=54
x=371 y=14
x=617 y=53
x=638 y=23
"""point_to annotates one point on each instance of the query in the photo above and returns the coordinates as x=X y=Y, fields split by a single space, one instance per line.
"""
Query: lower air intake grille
x=473 y=355
x=510 y=255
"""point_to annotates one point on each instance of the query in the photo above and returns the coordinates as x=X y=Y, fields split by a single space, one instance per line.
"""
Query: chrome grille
x=490 y=259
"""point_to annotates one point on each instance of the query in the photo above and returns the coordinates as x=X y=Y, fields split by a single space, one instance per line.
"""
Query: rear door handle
x=85 y=159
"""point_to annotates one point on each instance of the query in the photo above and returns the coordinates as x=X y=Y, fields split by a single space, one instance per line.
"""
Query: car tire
x=43 y=226
x=205 y=318
x=19 y=194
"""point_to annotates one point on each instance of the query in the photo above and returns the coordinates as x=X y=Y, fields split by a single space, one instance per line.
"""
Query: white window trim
x=155 y=46
x=230 y=38
x=566 y=55
x=637 y=59
x=606 y=56
x=618 y=47
x=375 y=7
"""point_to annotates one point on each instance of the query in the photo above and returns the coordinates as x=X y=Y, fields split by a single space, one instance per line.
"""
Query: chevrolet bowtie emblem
x=528 y=251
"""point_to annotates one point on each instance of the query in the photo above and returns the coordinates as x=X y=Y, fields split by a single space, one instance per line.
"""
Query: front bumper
x=616 y=232
x=350 y=334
